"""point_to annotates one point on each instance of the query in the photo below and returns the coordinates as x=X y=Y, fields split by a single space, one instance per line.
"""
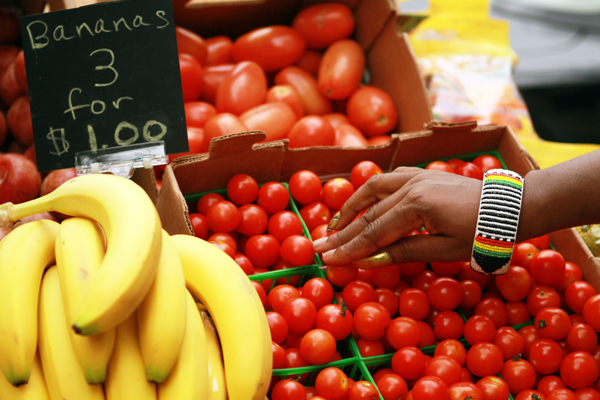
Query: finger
x=380 y=232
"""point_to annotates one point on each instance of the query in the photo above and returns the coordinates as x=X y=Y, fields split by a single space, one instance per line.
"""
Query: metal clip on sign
x=121 y=160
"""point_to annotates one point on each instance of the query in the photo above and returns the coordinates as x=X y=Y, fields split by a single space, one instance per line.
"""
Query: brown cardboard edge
x=146 y=179
x=573 y=248
x=171 y=206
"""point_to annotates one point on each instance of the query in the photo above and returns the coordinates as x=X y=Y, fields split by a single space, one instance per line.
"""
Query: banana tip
x=77 y=329
x=5 y=215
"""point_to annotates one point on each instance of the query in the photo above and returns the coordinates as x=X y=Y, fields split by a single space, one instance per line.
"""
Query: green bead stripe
x=504 y=182
x=491 y=253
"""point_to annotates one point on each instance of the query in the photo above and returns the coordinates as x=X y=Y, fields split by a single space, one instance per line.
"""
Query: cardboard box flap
x=371 y=17
x=227 y=156
x=171 y=206
x=456 y=126
x=573 y=248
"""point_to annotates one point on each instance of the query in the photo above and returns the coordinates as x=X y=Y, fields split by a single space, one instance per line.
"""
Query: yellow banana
x=80 y=248
x=216 y=372
x=133 y=233
x=64 y=376
x=189 y=378
x=35 y=389
x=24 y=254
x=162 y=316
x=126 y=379
x=219 y=283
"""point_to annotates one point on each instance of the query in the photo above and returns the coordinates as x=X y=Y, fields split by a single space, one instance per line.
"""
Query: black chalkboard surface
x=103 y=75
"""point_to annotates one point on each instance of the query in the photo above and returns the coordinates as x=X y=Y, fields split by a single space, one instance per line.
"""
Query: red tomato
x=212 y=77
x=469 y=170
x=300 y=314
x=319 y=291
x=578 y=370
x=430 y=388
x=493 y=388
x=262 y=250
x=577 y=293
x=244 y=88
x=8 y=54
x=278 y=356
x=582 y=337
x=515 y=284
x=288 y=95
x=466 y=273
x=191 y=77
x=572 y=274
x=341 y=275
x=591 y=312
x=553 y=323
x=246 y=266
x=471 y=294
x=484 y=359
x=341 y=69
x=253 y=220
x=523 y=254
x=478 y=329
x=542 y=296
x=403 y=332
x=9 y=87
x=218 y=50
x=358 y=292
x=530 y=334
x=391 y=386
x=370 y=320
x=272 y=47
x=509 y=342
x=453 y=349
x=323 y=24
x=223 y=124
x=587 y=394
x=445 y=293
x=278 y=326
x=487 y=162
x=335 y=319
x=372 y=111
x=530 y=395
x=190 y=43
x=207 y=200
x=223 y=216
x=335 y=193
x=337 y=119
x=446 y=269
x=549 y=383
x=378 y=140
x=315 y=214
x=445 y=368
x=309 y=61
x=518 y=374
x=408 y=362
x=273 y=197
x=280 y=294
x=464 y=390
x=348 y=136
x=199 y=225
x=370 y=348
x=387 y=298
x=294 y=360
x=414 y=303
x=547 y=267
x=275 y=119
x=561 y=394
x=517 y=313
x=305 y=187
x=440 y=166
x=19 y=122
x=542 y=242
x=332 y=383
x=197 y=113
x=448 y=325
x=311 y=131
x=297 y=250
x=242 y=189
x=20 y=72
x=546 y=356
x=317 y=346
x=363 y=390
x=362 y=171
x=284 y=224
x=313 y=101
x=423 y=280
x=494 y=309
x=224 y=237
x=287 y=389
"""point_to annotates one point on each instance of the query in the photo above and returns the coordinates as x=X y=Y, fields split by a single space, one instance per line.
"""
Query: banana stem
x=11 y=213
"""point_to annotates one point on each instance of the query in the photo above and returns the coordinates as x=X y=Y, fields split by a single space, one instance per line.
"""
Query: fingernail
x=319 y=242
x=327 y=254
x=377 y=260
x=333 y=223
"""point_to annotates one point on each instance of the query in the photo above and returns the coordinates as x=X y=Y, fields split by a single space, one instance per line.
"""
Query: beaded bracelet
x=497 y=222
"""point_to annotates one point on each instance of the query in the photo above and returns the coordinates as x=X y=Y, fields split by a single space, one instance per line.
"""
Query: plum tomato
x=323 y=24
x=341 y=70
x=222 y=124
x=288 y=95
x=348 y=136
x=275 y=119
x=243 y=88
x=218 y=50
x=336 y=191
x=313 y=101
x=262 y=250
x=309 y=61
x=212 y=76
x=191 y=43
x=372 y=111
x=311 y=130
x=197 y=113
x=297 y=250
x=362 y=171
x=191 y=77
x=305 y=187
x=315 y=214
x=273 y=197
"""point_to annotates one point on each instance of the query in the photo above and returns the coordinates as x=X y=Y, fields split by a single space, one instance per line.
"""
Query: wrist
x=531 y=222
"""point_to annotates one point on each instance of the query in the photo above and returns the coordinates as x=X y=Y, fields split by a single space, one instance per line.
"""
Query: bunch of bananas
x=103 y=305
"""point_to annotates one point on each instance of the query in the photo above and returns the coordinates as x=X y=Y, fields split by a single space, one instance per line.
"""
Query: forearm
x=562 y=196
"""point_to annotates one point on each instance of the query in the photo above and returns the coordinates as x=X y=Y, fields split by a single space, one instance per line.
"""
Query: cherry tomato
x=414 y=303
x=372 y=111
x=197 y=113
x=371 y=320
x=530 y=335
x=297 y=250
x=518 y=374
x=309 y=61
x=9 y=87
x=242 y=189
x=440 y=166
x=315 y=214
x=423 y=280
x=427 y=336
x=542 y=242
x=587 y=394
x=253 y=220
x=572 y=274
x=546 y=356
x=487 y=162
x=509 y=342
x=190 y=43
x=387 y=298
x=471 y=294
x=408 y=362
x=448 y=325
x=335 y=193
x=317 y=346
x=517 y=313
x=578 y=370
x=392 y=386
x=323 y=24
x=362 y=171
x=212 y=77
x=246 y=266
x=191 y=77
x=332 y=383
x=218 y=50
x=561 y=394
x=515 y=284
x=430 y=388
x=553 y=323
x=464 y=390
x=272 y=47
x=280 y=294
x=523 y=254
x=577 y=293
x=341 y=275
x=278 y=356
x=403 y=332
x=582 y=337
x=224 y=237
x=341 y=70
x=199 y=225
x=466 y=273
x=319 y=291
x=484 y=359
x=530 y=395
x=273 y=197
x=363 y=390
x=445 y=293
x=278 y=326
x=469 y=170
x=275 y=119
x=19 y=122
x=262 y=250
x=244 y=88
x=223 y=124
x=300 y=314
x=207 y=200
x=294 y=359
x=547 y=267
x=313 y=101
x=348 y=136
x=284 y=224
x=311 y=130
x=453 y=349
x=549 y=383
x=591 y=312
x=223 y=216
x=288 y=95
x=478 y=329
x=542 y=296
x=494 y=309
x=493 y=388
x=305 y=187
x=358 y=292
x=287 y=389
x=445 y=368
x=446 y=269
x=370 y=348
x=336 y=319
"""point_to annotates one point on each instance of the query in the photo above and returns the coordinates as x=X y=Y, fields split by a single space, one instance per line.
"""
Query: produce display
x=115 y=319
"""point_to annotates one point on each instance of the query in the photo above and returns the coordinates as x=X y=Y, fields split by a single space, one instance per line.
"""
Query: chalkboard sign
x=103 y=75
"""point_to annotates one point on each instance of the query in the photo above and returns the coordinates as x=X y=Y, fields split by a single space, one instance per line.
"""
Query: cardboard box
x=274 y=161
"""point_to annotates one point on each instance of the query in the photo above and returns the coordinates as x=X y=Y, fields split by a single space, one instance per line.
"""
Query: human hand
x=445 y=204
